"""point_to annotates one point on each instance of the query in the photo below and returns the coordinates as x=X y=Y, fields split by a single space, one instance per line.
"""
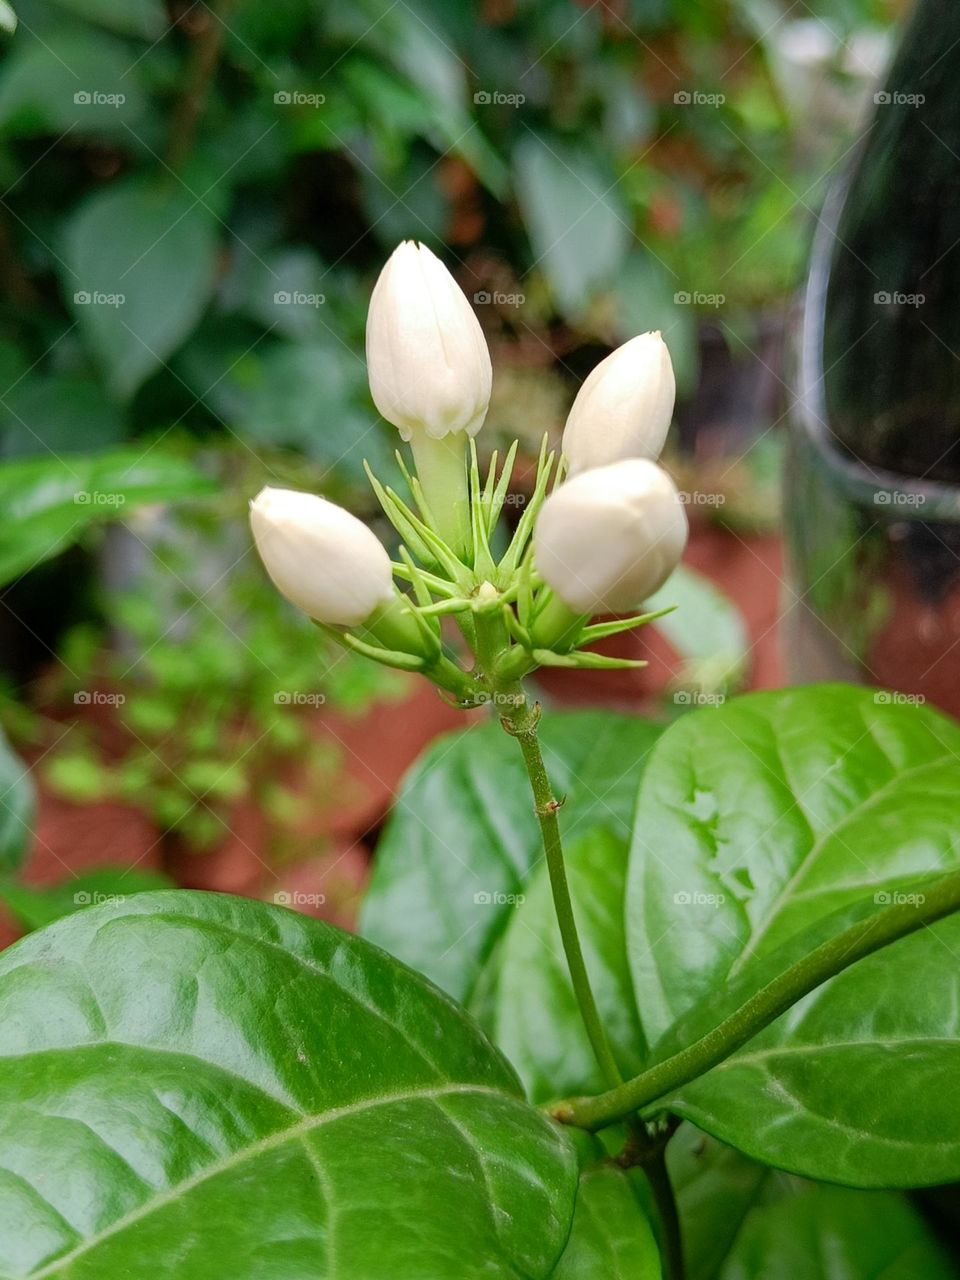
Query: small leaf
x=194 y=1085
x=49 y=502
x=138 y=271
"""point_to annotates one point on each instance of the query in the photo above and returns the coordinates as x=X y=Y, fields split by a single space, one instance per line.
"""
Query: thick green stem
x=930 y=903
x=520 y=720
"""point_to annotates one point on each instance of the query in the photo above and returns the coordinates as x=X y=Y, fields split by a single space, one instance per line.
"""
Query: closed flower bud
x=323 y=559
x=608 y=538
x=427 y=359
x=624 y=407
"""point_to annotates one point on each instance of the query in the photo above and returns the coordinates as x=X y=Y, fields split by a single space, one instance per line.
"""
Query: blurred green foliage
x=197 y=194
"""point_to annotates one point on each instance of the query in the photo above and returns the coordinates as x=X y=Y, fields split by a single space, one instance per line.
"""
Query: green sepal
x=600 y=630
x=585 y=661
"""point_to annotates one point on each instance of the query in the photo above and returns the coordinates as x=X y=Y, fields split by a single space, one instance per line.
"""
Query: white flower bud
x=323 y=559
x=608 y=538
x=624 y=407
x=427 y=359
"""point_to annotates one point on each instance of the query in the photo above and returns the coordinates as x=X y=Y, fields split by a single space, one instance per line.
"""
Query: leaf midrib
x=292 y=1133
x=750 y=949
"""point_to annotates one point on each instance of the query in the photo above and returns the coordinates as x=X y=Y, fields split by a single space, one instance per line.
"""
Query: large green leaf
x=830 y=1233
x=138 y=269
x=196 y=1085
x=49 y=502
x=579 y=229
x=525 y=998
x=463 y=840
x=611 y=1237
x=16 y=808
x=763 y=827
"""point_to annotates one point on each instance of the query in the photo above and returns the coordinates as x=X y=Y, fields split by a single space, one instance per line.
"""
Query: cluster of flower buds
x=601 y=532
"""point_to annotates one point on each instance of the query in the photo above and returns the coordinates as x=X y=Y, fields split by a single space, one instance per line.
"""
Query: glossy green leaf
x=138 y=270
x=526 y=1000
x=830 y=1233
x=49 y=502
x=463 y=839
x=16 y=808
x=763 y=826
x=196 y=1085
x=715 y=1187
x=611 y=1237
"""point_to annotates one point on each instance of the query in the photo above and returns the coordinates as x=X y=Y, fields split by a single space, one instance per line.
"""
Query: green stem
x=939 y=899
x=665 y=1202
x=441 y=467
x=520 y=720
